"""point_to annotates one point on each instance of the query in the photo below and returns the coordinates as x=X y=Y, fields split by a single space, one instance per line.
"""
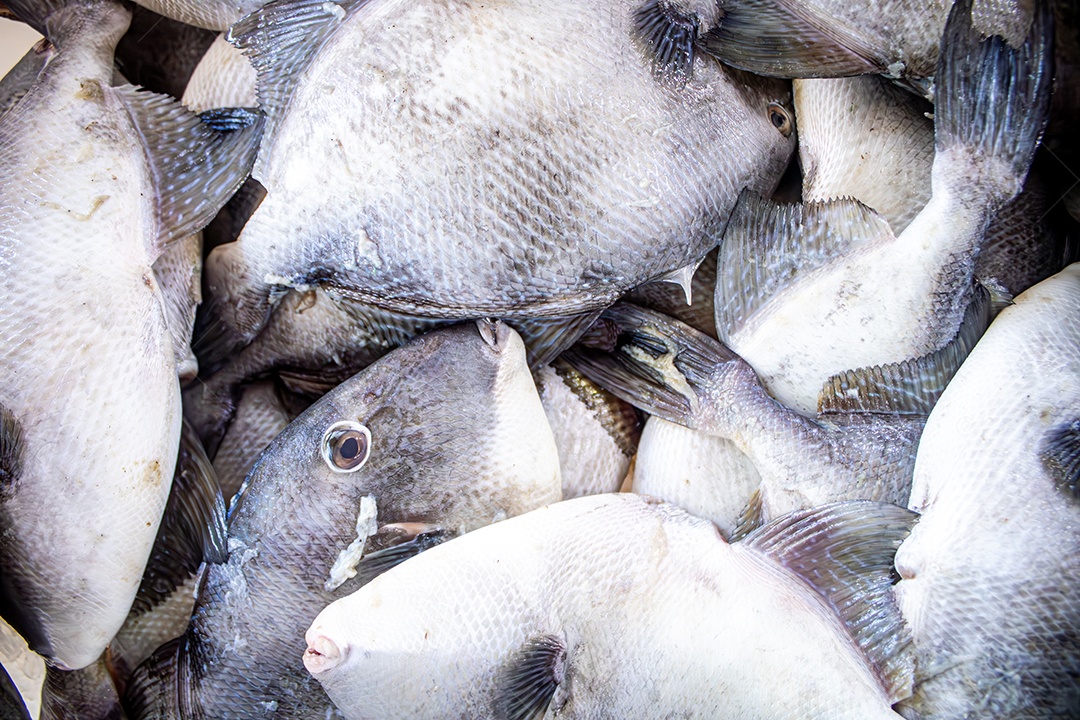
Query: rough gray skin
x=989 y=575
x=513 y=159
x=315 y=337
x=459 y=440
x=86 y=694
x=89 y=374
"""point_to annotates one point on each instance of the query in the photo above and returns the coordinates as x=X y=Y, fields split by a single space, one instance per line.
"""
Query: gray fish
x=441 y=436
x=806 y=292
x=596 y=433
x=670 y=370
x=90 y=417
x=990 y=572
x=620 y=606
x=485 y=165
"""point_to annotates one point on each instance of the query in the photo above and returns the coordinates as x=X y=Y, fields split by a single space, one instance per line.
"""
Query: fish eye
x=780 y=118
x=346 y=446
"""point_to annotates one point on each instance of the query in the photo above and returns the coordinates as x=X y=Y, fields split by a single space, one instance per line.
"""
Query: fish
x=12 y=706
x=671 y=371
x=90 y=406
x=20 y=77
x=84 y=694
x=522 y=194
x=865 y=138
x=623 y=606
x=806 y=292
x=207 y=14
x=438 y=437
x=697 y=310
x=596 y=433
x=223 y=78
x=987 y=574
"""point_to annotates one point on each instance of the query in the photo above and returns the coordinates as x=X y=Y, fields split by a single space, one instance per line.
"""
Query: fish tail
x=650 y=360
x=993 y=103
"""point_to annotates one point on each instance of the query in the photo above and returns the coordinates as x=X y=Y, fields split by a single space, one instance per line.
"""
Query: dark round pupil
x=778 y=120
x=349 y=449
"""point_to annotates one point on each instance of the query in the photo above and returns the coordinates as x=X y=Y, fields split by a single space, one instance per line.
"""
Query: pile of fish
x=321 y=382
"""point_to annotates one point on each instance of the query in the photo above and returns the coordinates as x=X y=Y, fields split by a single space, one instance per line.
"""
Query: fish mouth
x=322 y=654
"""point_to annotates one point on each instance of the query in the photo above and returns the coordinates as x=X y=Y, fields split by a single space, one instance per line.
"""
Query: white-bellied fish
x=622 y=606
x=94 y=181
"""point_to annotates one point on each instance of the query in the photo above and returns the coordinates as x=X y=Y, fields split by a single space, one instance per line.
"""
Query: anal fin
x=845 y=552
x=911 y=387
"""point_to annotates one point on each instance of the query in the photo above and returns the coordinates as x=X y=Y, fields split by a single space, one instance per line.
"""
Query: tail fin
x=993 y=100
x=653 y=361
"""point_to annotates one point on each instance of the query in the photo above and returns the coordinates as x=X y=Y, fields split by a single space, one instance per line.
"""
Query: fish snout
x=322 y=654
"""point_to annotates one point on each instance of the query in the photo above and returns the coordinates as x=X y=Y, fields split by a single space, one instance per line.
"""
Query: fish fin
x=657 y=363
x=11 y=701
x=527 y=683
x=280 y=39
x=750 y=519
x=192 y=529
x=993 y=101
x=161 y=687
x=845 y=552
x=546 y=338
x=373 y=564
x=768 y=247
x=684 y=278
x=782 y=38
x=196 y=164
x=1060 y=454
x=669 y=37
x=910 y=387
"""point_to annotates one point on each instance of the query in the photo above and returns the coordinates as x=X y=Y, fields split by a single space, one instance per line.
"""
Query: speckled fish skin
x=990 y=571
x=95 y=395
x=458 y=440
x=658 y=616
x=504 y=159
x=260 y=417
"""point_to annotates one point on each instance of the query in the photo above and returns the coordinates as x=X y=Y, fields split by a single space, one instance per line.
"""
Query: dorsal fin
x=196 y=164
x=786 y=38
x=845 y=551
x=280 y=39
x=768 y=247
x=910 y=387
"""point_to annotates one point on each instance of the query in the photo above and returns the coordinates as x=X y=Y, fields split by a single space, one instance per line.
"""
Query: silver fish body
x=601 y=606
x=988 y=575
x=467 y=186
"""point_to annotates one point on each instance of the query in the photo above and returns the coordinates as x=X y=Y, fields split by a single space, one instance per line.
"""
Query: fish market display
x=439 y=437
x=403 y=169
x=90 y=415
x=989 y=575
x=276 y=353
x=806 y=292
x=655 y=616
x=672 y=371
